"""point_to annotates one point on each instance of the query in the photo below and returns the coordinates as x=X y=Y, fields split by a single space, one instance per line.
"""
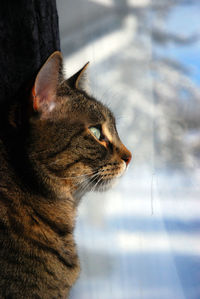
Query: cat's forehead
x=98 y=111
x=91 y=110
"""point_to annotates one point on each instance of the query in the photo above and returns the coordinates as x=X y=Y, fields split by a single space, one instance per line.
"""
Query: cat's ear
x=46 y=82
x=79 y=78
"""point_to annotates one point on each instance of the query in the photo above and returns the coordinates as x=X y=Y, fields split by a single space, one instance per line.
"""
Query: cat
x=55 y=145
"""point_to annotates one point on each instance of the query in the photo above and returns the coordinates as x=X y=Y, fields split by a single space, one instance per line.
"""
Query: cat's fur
x=49 y=159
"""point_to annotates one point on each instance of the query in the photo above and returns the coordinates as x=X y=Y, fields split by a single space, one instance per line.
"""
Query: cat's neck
x=16 y=174
x=38 y=206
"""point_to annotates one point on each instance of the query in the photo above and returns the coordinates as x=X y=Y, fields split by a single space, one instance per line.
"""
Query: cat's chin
x=106 y=185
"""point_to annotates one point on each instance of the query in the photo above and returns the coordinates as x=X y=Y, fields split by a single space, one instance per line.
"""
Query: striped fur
x=48 y=160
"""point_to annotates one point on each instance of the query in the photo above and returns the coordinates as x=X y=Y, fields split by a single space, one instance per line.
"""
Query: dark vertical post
x=28 y=35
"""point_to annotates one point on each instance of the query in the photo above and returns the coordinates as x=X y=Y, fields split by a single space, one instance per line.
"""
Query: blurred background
x=141 y=240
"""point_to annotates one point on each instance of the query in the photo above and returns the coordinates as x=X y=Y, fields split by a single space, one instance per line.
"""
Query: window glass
x=140 y=240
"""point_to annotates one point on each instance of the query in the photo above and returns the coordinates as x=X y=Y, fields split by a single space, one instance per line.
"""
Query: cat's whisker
x=83 y=184
x=84 y=187
x=76 y=176
x=91 y=179
x=79 y=176
x=87 y=183
x=98 y=181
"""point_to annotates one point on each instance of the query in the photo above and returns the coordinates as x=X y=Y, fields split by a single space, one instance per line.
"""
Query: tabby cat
x=55 y=145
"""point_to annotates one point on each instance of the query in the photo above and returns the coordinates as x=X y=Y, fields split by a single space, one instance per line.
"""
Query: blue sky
x=184 y=21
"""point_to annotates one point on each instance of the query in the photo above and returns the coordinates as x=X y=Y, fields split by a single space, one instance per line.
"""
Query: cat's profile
x=55 y=145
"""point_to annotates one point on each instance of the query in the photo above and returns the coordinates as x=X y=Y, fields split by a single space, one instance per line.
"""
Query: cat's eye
x=96 y=132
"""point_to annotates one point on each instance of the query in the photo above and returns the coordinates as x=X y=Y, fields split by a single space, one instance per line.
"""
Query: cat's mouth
x=107 y=177
x=100 y=179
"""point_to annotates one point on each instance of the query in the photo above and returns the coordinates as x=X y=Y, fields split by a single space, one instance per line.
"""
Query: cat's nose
x=126 y=157
x=124 y=153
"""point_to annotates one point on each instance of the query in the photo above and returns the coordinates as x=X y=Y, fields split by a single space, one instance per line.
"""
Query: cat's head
x=73 y=143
